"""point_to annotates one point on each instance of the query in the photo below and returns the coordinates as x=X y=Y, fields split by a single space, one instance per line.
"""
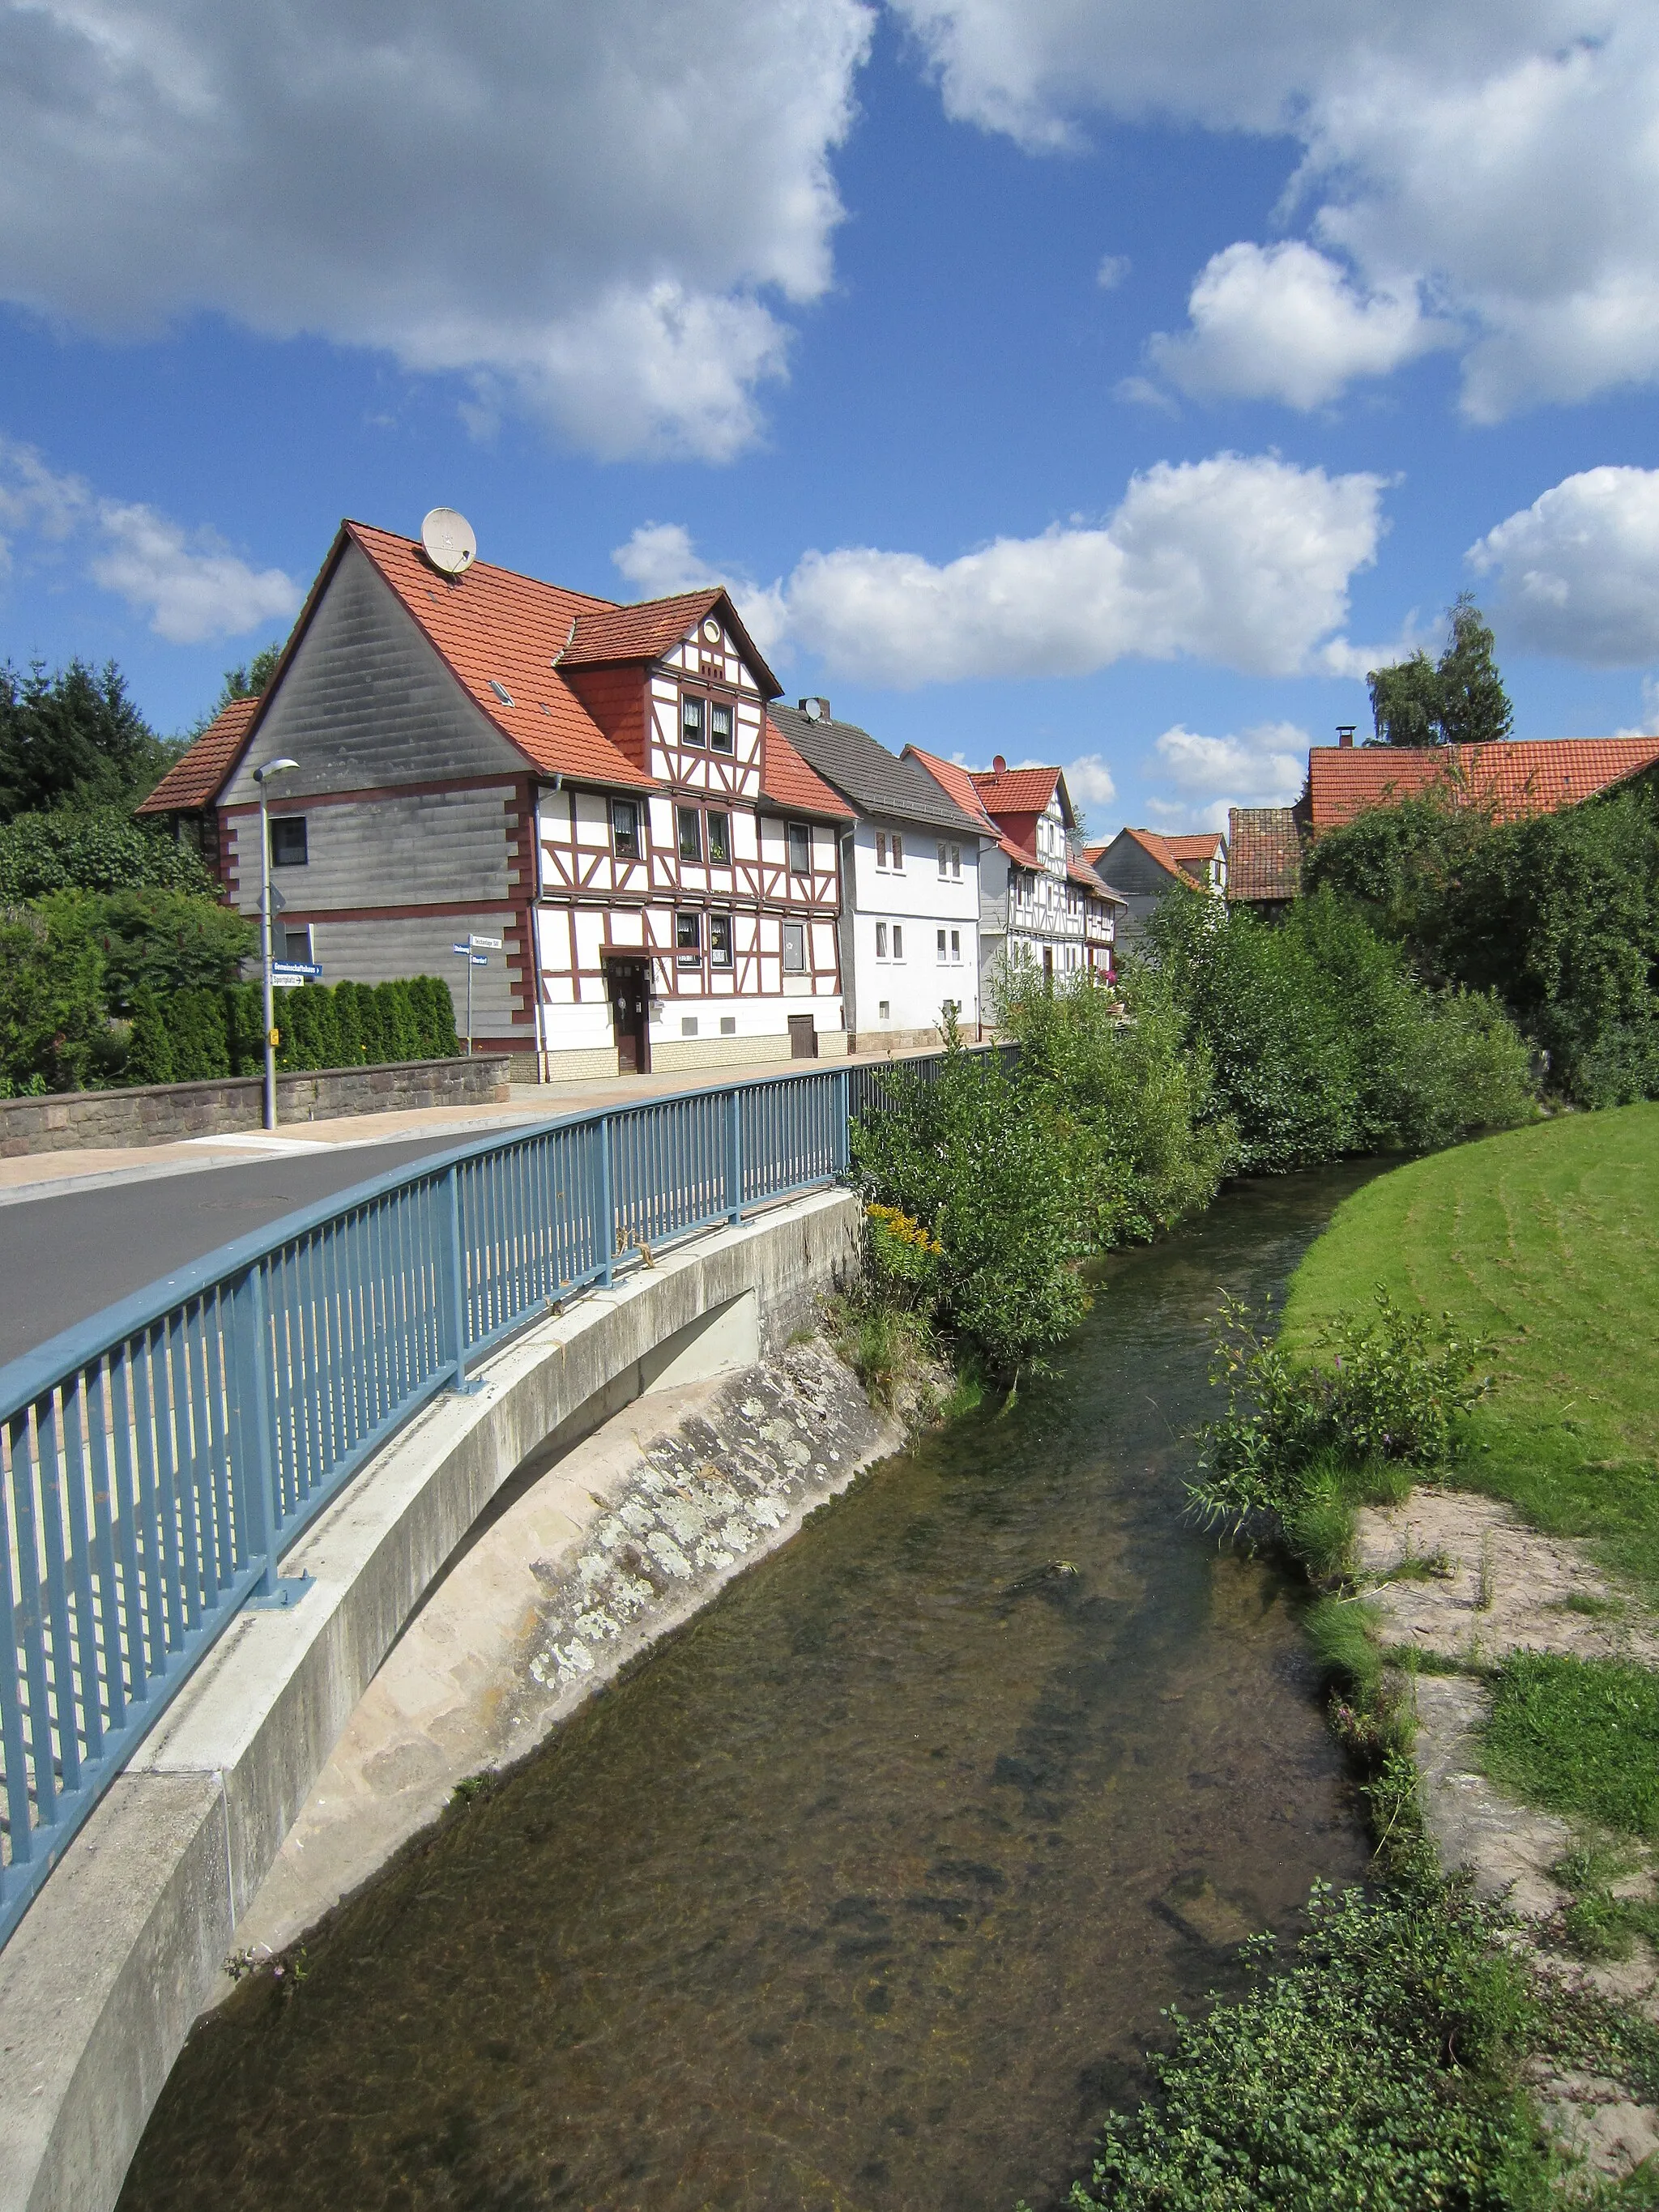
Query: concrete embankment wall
x=152 y=1113
x=124 y=1945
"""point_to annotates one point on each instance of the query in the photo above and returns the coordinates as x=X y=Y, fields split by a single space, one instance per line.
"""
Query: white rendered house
x=910 y=887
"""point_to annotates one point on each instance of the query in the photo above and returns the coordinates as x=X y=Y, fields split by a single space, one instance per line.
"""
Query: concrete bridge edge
x=117 y=1957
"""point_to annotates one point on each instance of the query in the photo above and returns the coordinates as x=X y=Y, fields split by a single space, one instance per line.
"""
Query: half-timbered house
x=1037 y=906
x=599 y=787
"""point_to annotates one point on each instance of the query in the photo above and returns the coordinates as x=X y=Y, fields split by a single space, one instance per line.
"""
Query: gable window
x=719 y=838
x=720 y=940
x=690 y=823
x=881 y=849
x=287 y=841
x=881 y=940
x=719 y=726
x=898 y=850
x=800 y=849
x=794 y=948
x=691 y=722
x=687 y=940
x=944 y=859
x=625 y=829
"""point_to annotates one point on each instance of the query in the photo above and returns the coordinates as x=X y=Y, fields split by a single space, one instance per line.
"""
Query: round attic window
x=711 y=630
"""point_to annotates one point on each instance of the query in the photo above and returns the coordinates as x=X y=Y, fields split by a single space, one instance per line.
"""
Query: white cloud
x=1090 y=781
x=1284 y=322
x=591 y=212
x=192 y=585
x=1578 y=572
x=1112 y=270
x=660 y=559
x=1263 y=766
x=1243 y=561
x=1498 y=160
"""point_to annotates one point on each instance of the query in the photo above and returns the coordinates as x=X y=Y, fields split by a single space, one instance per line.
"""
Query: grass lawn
x=1545 y=1241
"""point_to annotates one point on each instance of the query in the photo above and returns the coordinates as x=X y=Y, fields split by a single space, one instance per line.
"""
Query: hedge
x=193 y=1035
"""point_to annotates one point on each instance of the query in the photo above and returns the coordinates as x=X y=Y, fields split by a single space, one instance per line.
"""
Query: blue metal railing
x=157 y=1460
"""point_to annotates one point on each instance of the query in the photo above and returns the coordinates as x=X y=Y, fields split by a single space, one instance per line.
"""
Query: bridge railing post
x=452 y=1273
x=734 y=1156
x=255 y=1434
x=607 y=1221
x=843 y=1119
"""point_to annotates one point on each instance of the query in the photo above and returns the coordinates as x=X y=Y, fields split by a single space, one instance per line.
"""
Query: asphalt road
x=63 y=1259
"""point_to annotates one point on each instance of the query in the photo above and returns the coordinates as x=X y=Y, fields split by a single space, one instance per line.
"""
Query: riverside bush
x=1378 y=2071
x=1320 y=1041
x=1377 y=1392
x=960 y=1157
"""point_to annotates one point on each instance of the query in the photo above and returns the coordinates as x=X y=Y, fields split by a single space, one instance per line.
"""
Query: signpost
x=295 y=971
x=473 y=953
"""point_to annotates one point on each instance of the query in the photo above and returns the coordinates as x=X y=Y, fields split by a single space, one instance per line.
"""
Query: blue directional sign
x=467 y=953
x=295 y=972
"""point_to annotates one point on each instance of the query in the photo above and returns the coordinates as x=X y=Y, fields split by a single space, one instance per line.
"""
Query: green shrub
x=435 y=1009
x=149 y=1046
x=97 y=850
x=400 y=1025
x=1378 y=2070
x=960 y=1156
x=1382 y=1391
x=166 y=940
x=54 y=1032
x=198 y=1034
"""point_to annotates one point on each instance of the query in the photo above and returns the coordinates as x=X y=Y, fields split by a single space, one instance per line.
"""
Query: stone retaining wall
x=157 y=1113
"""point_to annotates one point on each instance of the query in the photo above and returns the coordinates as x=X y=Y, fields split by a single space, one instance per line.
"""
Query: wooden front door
x=630 y=1007
x=803 y=1038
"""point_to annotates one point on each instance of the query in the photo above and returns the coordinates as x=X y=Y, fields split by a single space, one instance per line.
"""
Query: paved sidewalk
x=47 y=1174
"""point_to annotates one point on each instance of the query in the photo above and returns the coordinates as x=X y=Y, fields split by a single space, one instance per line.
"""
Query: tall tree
x=73 y=738
x=1459 y=700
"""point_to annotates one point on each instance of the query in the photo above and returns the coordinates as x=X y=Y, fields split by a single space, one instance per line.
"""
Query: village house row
x=681 y=871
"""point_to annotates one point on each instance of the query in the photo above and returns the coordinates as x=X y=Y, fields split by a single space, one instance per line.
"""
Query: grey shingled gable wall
x=366 y=702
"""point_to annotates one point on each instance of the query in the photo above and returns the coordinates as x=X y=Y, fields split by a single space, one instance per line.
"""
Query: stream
x=864 y=1890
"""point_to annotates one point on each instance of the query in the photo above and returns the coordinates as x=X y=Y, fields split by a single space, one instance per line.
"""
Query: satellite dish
x=812 y=709
x=450 y=544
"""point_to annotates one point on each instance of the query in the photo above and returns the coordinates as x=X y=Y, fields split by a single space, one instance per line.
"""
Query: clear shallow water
x=863 y=1893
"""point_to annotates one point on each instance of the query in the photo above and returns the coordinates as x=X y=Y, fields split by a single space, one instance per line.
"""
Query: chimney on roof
x=998 y=766
x=817 y=710
x=1345 y=732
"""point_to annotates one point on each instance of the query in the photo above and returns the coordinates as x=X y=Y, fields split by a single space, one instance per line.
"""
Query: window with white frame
x=719 y=726
x=794 y=948
x=881 y=940
x=719 y=837
x=895 y=850
x=881 y=849
x=898 y=940
x=691 y=832
x=956 y=947
x=944 y=859
x=693 y=720
x=720 y=940
x=955 y=864
x=942 y=953
x=687 y=940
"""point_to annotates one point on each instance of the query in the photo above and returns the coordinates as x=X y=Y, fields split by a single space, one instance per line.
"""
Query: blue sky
x=1103 y=385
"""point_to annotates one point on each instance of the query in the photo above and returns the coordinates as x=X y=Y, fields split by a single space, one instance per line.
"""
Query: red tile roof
x=961 y=784
x=1017 y=790
x=492 y=623
x=1264 y=852
x=1514 y=777
x=194 y=781
x=1177 y=854
x=1095 y=884
x=787 y=782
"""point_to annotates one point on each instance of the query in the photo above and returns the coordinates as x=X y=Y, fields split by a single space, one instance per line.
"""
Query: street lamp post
x=260 y=776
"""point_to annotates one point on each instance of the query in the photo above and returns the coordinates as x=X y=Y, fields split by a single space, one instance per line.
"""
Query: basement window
x=728 y=1025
